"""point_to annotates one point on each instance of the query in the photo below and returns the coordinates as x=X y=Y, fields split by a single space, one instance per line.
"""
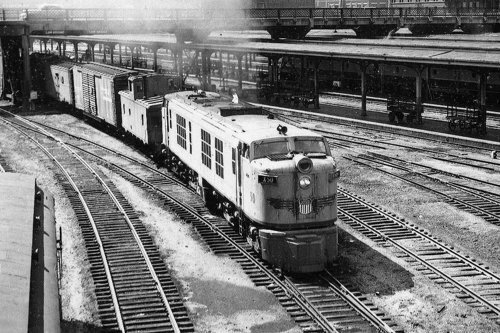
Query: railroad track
x=133 y=288
x=316 y=303
x=3 y=164
x=475 y=201
x=432 y=111
x=463 y=276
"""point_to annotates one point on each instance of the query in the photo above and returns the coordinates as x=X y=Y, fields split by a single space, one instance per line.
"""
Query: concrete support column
x=59 y=47
x=316 y=90
x=120 y=54
x=112 y=53
x=103 y=50
x=483 y=80
x=64 y=49
x=418 y=94
x=180 y=65
x=92 y=55
x=132 y=58
x=41 y=42
x=363 y=68
x=240 y=72
x=270 y=71
x=75 y=48
x=45 y=46
x=26 y=71
x=302 y=72
x=51 y=45
x=221 y=65
x=155 y=60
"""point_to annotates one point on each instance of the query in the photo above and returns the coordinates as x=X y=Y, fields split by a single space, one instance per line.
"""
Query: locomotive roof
x=248 y=123
x=105 y=69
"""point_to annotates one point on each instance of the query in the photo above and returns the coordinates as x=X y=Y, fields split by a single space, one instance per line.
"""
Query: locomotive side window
x=181 y=131
x=233 y=154
x=123 y=108
x=206 y=150
x=190 y=140
x=170 y=117
x=219 y=158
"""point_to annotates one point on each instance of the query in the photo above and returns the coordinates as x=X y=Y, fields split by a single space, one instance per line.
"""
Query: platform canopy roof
x=414 y=51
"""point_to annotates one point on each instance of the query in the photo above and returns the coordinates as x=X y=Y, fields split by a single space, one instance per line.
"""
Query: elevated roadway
x=282 y=22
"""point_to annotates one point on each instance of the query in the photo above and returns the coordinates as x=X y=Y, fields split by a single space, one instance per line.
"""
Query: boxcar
x=61 y=86
x=96 y=90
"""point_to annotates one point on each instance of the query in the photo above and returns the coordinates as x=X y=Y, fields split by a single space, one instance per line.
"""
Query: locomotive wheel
x=452 y=125
x=257 y=246
x=392 y=117
x=400 y=116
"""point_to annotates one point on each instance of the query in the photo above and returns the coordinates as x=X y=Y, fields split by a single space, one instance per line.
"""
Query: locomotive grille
x=305 y=206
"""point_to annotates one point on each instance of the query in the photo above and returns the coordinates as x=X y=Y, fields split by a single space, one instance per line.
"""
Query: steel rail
x=91 y=220
x=143 y=251
x=346 y=295
x=107 y=149
x=447 y=196
x=417 y=258
x=422 y=234
x=439 y=171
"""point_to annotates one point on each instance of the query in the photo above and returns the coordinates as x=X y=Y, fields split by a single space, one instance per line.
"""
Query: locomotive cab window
x=269 y=148
x=310 y=146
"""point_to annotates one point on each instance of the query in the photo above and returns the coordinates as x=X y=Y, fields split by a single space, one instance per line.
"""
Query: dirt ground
x=221 y=298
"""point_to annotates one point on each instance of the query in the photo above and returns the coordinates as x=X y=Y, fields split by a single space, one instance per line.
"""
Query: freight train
x=276 y=184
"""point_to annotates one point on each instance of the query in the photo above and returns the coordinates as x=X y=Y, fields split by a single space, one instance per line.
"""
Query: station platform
x=29 y=292
x=430 y=128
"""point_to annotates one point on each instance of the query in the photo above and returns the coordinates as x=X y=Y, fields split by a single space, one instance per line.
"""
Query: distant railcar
x=276 y=186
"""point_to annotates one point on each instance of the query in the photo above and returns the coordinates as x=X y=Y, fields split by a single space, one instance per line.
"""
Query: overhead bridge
x=282 y=22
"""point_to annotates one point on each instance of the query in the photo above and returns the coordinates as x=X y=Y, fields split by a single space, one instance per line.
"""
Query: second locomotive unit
x=274 y=184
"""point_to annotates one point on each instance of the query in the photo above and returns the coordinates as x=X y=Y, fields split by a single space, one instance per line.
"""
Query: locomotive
x=276 y=185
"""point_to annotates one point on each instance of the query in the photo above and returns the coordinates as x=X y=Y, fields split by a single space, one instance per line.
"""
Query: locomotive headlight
x=304 y=182
x=304 y=164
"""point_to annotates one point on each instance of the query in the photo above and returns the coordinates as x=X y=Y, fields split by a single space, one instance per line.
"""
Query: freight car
x=276 y=186
x=141 y=108
x=96 y=88
x=60 y=86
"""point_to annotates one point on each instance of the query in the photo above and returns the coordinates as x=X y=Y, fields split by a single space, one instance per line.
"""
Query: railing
x=36 y=15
